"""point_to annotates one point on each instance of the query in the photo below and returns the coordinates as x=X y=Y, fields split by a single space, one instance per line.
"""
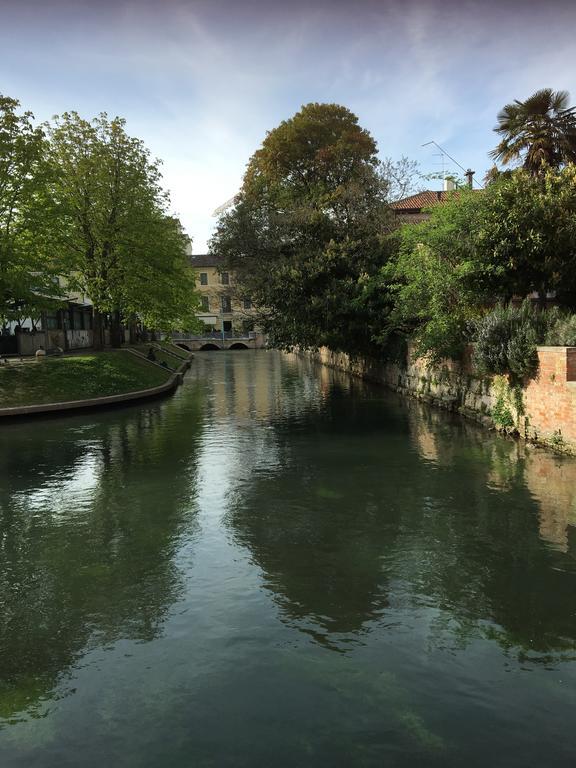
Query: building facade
x=224 y=308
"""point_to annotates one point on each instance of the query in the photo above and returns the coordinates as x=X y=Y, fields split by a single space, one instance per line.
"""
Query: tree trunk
x=98 y=329
x=116 y=330
x=133 y=330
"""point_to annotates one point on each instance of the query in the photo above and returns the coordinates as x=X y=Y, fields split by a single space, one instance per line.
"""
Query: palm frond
x=541 y=131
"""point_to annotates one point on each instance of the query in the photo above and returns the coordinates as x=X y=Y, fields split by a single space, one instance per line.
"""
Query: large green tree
x=161 y=293
x=528 y=228
x=540 y=131
x=116 y=243
x=307 y=229
x=516 y=237
x=439 y=281
x=27 y=275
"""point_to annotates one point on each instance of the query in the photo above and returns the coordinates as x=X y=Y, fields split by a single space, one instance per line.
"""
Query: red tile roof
x=420 y=200
x=425 y=199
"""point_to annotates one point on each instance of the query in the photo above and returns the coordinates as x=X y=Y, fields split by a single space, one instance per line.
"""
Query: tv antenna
x=225 y=206
x=442 y=162
x=467 y=172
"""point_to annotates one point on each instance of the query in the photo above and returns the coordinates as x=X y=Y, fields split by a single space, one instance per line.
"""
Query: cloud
x=202 y=81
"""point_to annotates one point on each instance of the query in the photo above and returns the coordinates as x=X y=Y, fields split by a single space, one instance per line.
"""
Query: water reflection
x=282 y=564
x=351 y=518
x=88 y=528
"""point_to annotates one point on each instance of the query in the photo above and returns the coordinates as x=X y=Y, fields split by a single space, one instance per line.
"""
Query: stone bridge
x=215 y=340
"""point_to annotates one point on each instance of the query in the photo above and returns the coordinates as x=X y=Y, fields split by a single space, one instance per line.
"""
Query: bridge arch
x=183 y=346
x=238 y=345
x=209 y=347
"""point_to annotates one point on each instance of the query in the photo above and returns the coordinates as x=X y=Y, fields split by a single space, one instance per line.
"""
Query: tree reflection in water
x=348 y=522
x=88 y=526
x=329 y=574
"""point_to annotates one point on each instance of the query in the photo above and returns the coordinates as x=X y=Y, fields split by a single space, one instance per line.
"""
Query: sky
x=202 y=81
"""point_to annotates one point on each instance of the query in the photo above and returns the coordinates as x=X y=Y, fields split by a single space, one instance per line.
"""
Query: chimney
x=449 y=185
x=469 y=174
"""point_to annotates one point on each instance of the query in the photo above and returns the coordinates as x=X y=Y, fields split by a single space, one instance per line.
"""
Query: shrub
x=502 y=414
x=561 y=330
x=506 y=340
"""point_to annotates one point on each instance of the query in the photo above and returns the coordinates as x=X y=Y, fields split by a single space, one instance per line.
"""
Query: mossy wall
x=543 y=410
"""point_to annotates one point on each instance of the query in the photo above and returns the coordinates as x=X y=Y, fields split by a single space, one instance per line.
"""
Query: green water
x=281 y=566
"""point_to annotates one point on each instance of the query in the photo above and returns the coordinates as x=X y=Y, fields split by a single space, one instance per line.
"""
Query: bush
x=506 y=340
x=561 y=330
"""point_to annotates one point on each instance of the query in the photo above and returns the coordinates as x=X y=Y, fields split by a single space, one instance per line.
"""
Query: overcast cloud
x=202 y=82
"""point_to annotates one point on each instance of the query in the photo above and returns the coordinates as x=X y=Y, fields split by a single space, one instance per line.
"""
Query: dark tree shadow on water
x=372 y=492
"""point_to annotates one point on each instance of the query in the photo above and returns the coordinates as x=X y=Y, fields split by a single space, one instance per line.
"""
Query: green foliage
x=509 y=406
x=82 y=209
x=561 y=329
x=310 y=239
x=515 y=237
x=438 y=281
x=116 y=243
x=27 y=277
x=527 y=230
x=502 y=415
x=161 y=291
x=306 y=232
x=506 y=340
x=557 y=439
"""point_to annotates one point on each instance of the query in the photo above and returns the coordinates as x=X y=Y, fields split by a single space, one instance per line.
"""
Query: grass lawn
x=78 y=377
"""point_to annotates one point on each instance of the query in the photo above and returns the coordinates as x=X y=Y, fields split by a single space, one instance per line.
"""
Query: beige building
x=223 y=308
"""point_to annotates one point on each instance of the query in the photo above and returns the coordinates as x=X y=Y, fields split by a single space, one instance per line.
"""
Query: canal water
x=283 y=566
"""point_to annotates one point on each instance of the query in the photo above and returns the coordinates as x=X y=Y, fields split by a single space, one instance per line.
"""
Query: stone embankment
x=542 y=411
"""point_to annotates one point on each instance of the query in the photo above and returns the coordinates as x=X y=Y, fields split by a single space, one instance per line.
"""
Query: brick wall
x=550 y=399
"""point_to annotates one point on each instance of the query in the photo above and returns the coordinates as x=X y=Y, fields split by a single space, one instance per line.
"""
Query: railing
x=214 y=335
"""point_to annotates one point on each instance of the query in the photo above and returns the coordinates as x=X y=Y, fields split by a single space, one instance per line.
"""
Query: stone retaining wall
x=543 y=411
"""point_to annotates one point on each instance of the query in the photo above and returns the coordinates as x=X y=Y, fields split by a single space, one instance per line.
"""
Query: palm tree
x=541 y=131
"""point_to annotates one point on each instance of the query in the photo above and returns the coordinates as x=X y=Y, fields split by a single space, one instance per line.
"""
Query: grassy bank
x=78 y=377
x=173 y=349
x=162 y=354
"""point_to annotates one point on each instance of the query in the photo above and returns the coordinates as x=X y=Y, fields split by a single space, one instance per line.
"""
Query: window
x=203 y=278
x=205 y=304
x=226 y=304
x=225 y=278
x=247 y=304
x=227 y=327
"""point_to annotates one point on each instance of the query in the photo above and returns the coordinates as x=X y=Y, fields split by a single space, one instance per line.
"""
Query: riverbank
x=87 y=380
x=543 y=411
